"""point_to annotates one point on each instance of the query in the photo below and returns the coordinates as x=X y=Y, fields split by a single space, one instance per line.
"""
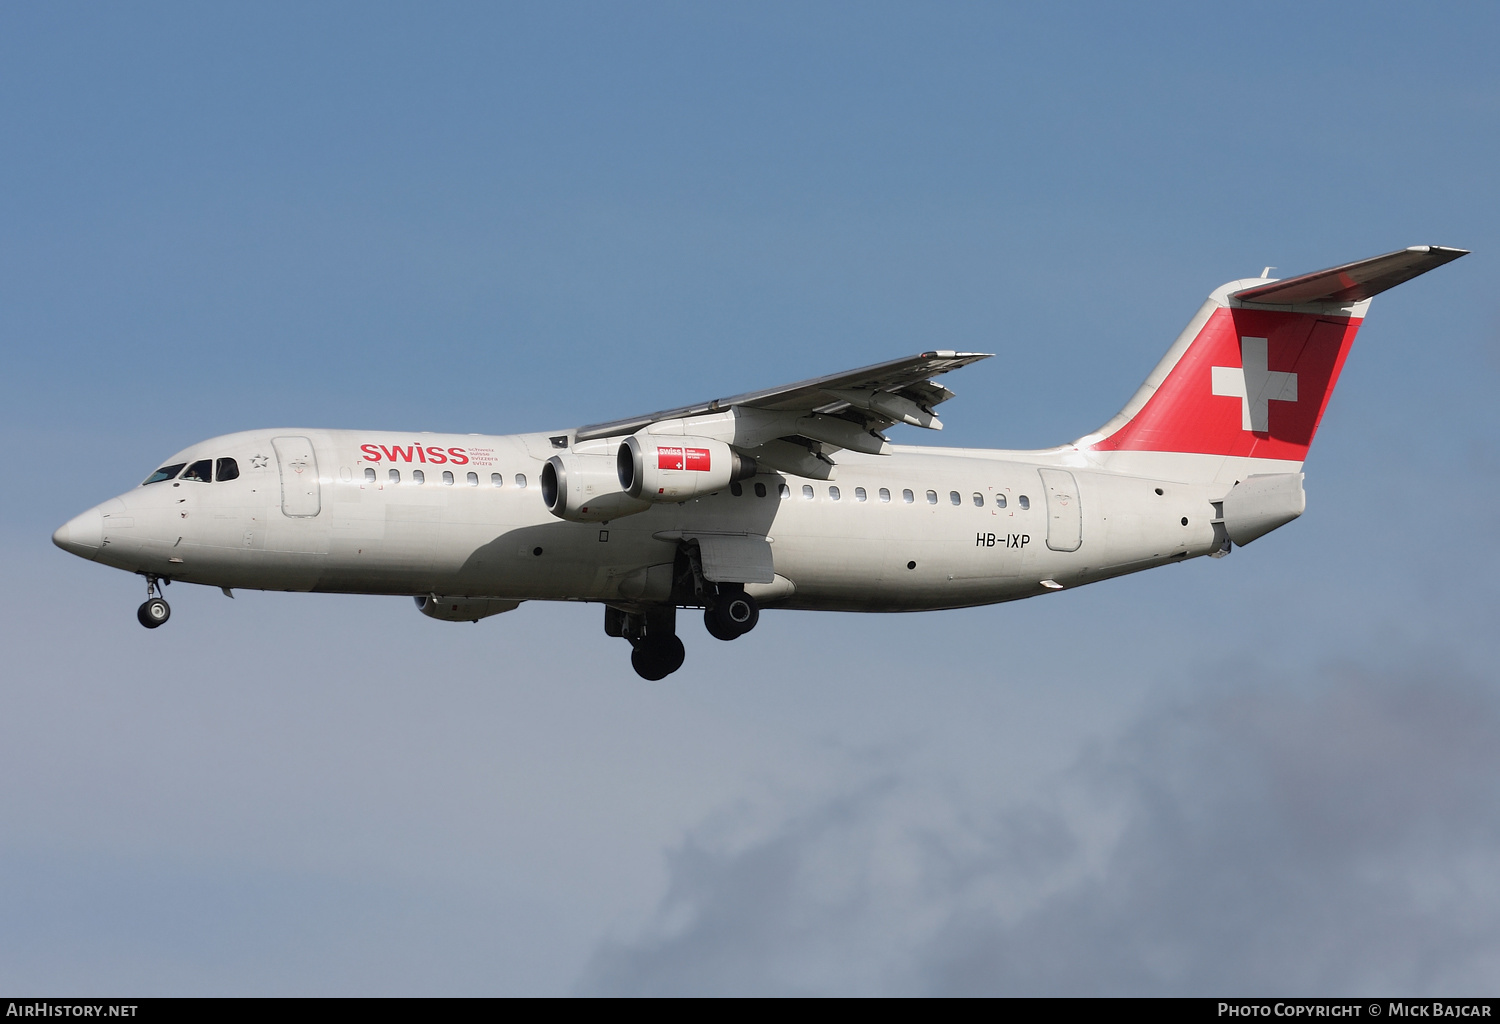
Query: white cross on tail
x=1255 y=385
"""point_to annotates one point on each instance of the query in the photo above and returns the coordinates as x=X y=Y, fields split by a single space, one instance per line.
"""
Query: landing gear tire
x=732 y=616
x=153 y=613
x=715 y=629
x=658 y=657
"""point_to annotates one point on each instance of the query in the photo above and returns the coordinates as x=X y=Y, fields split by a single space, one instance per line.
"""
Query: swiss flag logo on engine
x=696 y=459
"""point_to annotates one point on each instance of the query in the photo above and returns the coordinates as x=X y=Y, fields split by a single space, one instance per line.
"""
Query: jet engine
x=586 y=489
x=461 y=609
x=674 y=468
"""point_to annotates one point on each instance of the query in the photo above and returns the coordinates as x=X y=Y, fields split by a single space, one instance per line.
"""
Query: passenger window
x=999 y=501
x=496 y=479
x=200 y=470
x=784 y=491
x=418 y=477
x=760 y=490
x=978 y=500
x=1024 y=502
x=165 y=473
x=735 y=489
x=885 y=494
x=907 y=496
x=473 y=479
x=447 y=478
x=227 y=469
x=369 y=475
x=833 y=492
x=521 y=480
x=954 y=498
x=932 y=497
x=807 y=492
x=859 y=494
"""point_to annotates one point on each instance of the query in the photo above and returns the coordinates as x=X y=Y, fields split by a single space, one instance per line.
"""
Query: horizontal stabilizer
x=1352 y=282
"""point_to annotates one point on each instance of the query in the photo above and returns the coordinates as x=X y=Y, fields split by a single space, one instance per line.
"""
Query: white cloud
x=1341 y=839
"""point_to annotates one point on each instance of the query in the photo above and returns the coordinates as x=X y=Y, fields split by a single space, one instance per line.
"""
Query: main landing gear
x=656 y=652
x=728 y=612
x=655 y=649
x=733 y=614
x=156 y=610
x=657 y=657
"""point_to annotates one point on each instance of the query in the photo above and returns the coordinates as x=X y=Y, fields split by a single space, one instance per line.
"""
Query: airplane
x=791 y=497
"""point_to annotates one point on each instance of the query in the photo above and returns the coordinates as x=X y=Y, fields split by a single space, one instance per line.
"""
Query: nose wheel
x=153 y=613
x=156 y=610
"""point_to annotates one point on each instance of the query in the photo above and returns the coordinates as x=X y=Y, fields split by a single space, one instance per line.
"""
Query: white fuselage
x=789 y=496
x=920 y=528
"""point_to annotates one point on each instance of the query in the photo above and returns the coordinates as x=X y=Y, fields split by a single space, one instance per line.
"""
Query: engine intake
x=674 y=468
x=586 y=489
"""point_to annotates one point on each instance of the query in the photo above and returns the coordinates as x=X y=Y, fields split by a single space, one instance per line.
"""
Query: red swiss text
x=696 y=459
x=414 y=453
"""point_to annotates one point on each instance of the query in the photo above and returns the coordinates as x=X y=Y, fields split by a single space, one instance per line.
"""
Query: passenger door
x=301 y=495
x=1064 y=516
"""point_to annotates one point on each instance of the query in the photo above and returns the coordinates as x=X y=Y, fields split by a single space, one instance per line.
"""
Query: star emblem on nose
x=258 y=461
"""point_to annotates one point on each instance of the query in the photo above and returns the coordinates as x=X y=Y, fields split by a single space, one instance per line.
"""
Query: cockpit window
x=200 y=470
x=165 y=473
x=227 y=469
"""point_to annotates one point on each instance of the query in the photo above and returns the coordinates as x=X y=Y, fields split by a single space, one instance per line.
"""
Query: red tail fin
x=1254 y=378
x=1252 y=383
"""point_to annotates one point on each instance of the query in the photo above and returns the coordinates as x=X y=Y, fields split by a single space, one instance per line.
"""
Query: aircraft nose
x=83 y=535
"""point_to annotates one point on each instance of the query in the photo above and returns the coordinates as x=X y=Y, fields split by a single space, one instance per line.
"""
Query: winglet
x=1352 y=282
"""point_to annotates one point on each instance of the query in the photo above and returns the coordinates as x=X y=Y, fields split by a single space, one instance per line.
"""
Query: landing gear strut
x=656 y=652
x=733 y=614
x=728 y=612
x=156 y=610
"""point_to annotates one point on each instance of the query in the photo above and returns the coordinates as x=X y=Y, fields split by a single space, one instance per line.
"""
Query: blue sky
x=1262 y=774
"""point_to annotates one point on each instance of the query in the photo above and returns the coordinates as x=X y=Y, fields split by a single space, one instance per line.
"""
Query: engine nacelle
x=461 y=609
x=586 y=489
x=665 y=467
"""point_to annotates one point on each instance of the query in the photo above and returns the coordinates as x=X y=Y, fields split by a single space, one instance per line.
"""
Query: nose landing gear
x=156 y=610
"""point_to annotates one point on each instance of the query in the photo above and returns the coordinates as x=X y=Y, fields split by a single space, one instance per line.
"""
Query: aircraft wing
x=870 y=398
